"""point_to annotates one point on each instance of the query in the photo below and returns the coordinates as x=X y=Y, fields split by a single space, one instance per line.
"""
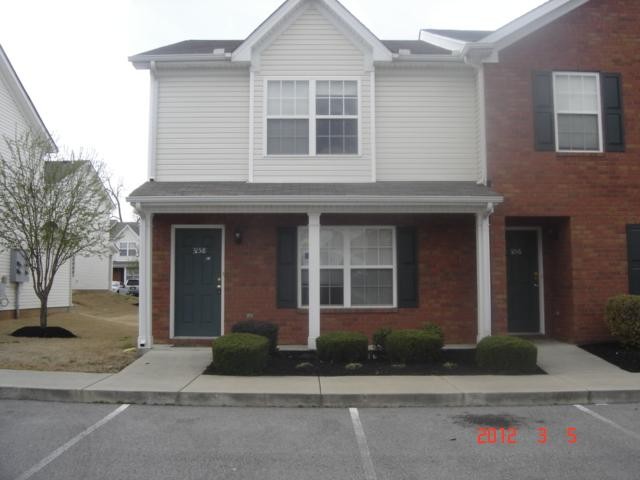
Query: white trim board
x=174 y=227
x=542 y=319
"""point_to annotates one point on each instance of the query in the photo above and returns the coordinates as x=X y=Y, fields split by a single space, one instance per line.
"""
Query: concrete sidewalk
x=173 y=376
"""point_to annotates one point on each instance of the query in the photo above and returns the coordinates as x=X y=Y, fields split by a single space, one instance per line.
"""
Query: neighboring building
x=126 y=243
x=563 y=147
x=17 y=114
x=317 y=177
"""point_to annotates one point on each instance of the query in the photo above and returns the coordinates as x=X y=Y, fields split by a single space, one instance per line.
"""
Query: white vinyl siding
x=202 y=125
x=312 y=48
x=92 y=273
x=427 y=124
x=11 y=119
x=60 y=295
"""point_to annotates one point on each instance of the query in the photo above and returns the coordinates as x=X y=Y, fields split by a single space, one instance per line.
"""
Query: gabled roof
x=20 y=95
x=474 y=43
x=118 y=228
x=240 y=50
x=243 y=52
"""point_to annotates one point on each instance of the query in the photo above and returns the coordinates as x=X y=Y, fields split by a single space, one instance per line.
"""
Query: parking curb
x=475 y=399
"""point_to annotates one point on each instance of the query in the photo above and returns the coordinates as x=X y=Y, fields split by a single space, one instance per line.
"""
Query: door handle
x=219 y=286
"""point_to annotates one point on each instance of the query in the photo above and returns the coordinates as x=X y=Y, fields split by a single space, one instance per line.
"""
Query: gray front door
x=198 y=292
x=523 y=281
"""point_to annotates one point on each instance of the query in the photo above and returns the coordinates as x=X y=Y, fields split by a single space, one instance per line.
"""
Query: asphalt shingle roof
x=234 y=189
x=187 y=47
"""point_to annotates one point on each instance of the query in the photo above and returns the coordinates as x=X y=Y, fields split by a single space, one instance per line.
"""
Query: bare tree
x=115 y=191
x=53 y=207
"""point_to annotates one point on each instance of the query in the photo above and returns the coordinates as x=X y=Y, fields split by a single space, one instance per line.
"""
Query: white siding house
x=126 y=247
x=284 y=165
x=17 y=113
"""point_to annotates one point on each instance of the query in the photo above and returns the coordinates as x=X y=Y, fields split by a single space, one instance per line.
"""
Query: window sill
x=580 y=154
x=276 y=157
x=352 y=310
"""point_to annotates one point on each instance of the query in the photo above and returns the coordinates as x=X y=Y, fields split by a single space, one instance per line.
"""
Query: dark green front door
x=523 y=281
x=198 y=286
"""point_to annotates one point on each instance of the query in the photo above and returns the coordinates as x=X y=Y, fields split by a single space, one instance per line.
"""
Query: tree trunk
x=43 y=311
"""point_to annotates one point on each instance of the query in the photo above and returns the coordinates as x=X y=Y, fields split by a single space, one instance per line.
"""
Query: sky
x=71 y=56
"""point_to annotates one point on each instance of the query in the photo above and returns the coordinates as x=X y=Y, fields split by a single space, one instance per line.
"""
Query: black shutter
x=611 y=87
x=407 y=240
x=544 y=134
x=633 y=253
x=286 y=275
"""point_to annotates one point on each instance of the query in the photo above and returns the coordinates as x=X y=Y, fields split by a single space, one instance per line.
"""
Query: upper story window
x=288 y=117
x=312 y=116
x=128 y=249
x=577 y=112
x=336 y=117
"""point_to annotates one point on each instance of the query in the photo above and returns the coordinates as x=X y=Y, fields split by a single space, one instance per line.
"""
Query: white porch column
x=314 y=279
x=145 y=336
x=483 y=273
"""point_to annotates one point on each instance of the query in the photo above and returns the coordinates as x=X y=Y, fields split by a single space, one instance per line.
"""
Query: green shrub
x=264 y=329
x=622 y=315
x=240 y=354
x=502 y=353
x=342 y=347
x=434 y=329
x=379 y=338
x=413 y=346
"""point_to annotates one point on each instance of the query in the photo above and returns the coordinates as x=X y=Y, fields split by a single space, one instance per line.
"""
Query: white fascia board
x=243 y=52
x=448 y=43
x=310 y=200
x=22 y=98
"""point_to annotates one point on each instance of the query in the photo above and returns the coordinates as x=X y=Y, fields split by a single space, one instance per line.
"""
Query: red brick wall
x=447 y=275
x=598 y=193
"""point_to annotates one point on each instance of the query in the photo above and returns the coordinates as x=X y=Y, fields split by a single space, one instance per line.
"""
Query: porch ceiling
x=293 y=197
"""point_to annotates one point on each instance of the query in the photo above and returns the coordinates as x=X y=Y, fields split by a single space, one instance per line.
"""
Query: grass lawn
x=104 y=322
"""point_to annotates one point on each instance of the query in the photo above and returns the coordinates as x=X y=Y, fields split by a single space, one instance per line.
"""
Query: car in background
x=130 y=287
x=115 y=285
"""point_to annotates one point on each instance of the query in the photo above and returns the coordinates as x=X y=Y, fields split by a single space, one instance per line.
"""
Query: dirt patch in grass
x=106 y=328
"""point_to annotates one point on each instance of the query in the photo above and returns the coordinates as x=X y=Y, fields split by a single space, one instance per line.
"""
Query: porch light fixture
x=237 y=235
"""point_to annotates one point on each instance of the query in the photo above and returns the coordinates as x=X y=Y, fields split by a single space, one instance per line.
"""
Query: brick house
x=320 y=178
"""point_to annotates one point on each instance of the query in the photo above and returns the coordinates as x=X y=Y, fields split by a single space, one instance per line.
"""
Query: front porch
x=390 y=262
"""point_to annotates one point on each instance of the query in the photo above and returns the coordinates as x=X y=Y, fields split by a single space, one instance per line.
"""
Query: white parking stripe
x=367 y=463
x=608 y=422
x=59 y=451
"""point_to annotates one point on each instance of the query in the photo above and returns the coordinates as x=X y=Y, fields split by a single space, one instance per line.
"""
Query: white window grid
x=577 y=111
x=348 y=232
x=311 y=115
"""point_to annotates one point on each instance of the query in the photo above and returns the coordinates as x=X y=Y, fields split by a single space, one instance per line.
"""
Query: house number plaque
x=516 y=251
x=199 y=250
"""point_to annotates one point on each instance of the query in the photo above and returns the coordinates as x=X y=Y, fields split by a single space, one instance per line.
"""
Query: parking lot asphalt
x=46 y=440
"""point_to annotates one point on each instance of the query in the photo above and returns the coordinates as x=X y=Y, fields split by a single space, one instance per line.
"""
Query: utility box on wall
x=18 y=272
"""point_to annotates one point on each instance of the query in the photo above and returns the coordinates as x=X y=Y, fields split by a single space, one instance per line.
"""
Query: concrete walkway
x=173 y=376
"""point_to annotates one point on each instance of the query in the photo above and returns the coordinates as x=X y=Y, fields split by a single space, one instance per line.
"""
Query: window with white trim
x=287 y=117
x=577 y=111
x=357 y=266
x=318 y=117
x=128 y=249
x=336 y=117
